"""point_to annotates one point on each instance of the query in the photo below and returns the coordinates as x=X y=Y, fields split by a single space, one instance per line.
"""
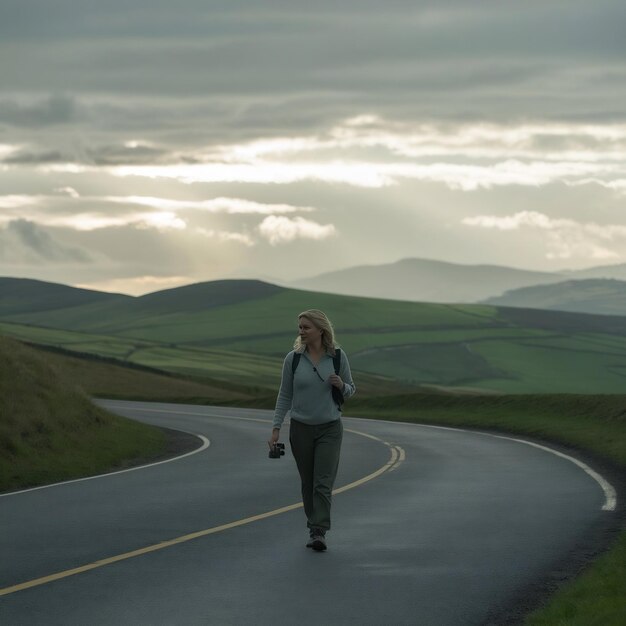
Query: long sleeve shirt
x=307 y=393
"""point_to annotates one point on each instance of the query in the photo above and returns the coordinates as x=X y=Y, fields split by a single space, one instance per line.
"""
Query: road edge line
x=610 y=494
x=205 y=444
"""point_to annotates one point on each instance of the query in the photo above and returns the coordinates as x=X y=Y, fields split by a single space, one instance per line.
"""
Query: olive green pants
x=316 y=450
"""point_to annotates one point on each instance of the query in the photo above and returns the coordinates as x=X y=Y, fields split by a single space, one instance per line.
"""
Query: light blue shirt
x=306 y=394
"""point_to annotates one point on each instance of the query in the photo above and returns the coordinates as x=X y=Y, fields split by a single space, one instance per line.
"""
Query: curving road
x=431 y=526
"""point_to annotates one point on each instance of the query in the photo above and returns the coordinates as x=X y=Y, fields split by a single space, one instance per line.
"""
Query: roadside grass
x=50 y=430
x=596 y=598
x=593 y=423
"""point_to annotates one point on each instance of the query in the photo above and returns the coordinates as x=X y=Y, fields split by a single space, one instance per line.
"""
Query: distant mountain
x=23 y=295
x=604 y=296
x=618 y=272
x=423 y=280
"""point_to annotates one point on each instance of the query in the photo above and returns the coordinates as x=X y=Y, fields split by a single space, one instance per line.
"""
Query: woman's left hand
x=336 y=381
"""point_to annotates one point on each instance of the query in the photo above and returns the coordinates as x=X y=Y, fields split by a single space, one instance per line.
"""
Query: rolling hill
x=243 y=338
x=24 y=295
x=617 y=272
x=604 y=296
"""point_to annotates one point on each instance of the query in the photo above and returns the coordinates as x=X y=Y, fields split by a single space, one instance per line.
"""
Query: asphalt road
x=436 y=526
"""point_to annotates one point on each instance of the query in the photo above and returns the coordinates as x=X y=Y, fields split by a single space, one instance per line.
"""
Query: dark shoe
x=318 y=540
x=312 y=534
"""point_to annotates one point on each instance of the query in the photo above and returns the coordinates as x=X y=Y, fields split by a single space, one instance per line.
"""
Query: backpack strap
x=337 y=361
x=337 y=395
x=294 y=363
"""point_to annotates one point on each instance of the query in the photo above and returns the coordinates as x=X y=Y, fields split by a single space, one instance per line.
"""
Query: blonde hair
x=319 y=320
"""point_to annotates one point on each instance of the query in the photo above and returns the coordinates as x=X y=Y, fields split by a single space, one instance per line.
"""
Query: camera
x=277 y=450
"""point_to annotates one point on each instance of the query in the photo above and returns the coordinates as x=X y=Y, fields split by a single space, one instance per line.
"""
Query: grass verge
x=596 y=598
x=50 y=430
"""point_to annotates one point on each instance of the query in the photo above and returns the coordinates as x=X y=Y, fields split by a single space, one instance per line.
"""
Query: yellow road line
x=401 y=456
x=202 y=533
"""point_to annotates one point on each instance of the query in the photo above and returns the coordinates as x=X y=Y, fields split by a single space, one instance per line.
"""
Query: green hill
x=599 y=296
x=23 y=295
x=112 y=314
x=50 y=430
x=244 y=328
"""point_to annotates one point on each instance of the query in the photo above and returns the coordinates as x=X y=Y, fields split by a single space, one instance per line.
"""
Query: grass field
x=244 y=340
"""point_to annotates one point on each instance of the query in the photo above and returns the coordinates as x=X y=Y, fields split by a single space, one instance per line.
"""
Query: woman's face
x=307 y=330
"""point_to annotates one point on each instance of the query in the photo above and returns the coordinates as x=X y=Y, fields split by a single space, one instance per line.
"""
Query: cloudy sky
x=148 y=144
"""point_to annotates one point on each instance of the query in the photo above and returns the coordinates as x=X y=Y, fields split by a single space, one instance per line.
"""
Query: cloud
x=512 y=222
x=7 y=149
x=169 y=133
x=566 y=238
x=22 y=241
x=159 y=220
x=280 y=229
x=371 y=152
x=366 y=151
x=17 y=201
x=216 y=205
x=41 y=209
x=130 y=152
x=69 y=191
x=381 y=174
x=48 y=111
x=226 y=236
x=278 y=173
x=25 y=157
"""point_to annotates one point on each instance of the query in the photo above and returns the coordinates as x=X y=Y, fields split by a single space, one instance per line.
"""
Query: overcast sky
x=148 y=144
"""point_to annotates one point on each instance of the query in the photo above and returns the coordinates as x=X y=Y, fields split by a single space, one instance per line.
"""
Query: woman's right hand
x=274 y=438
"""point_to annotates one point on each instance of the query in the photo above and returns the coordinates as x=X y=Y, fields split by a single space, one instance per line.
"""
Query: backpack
x=337 y=395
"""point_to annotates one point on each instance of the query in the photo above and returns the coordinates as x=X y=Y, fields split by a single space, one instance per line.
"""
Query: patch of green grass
x=108 y=378
x=51 y=431
x=596 y=598
x=534 y=368
x=443 y=364
x=594 y=423
x=244 y=368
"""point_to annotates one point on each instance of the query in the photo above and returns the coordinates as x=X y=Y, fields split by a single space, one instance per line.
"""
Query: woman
x=316 y=430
